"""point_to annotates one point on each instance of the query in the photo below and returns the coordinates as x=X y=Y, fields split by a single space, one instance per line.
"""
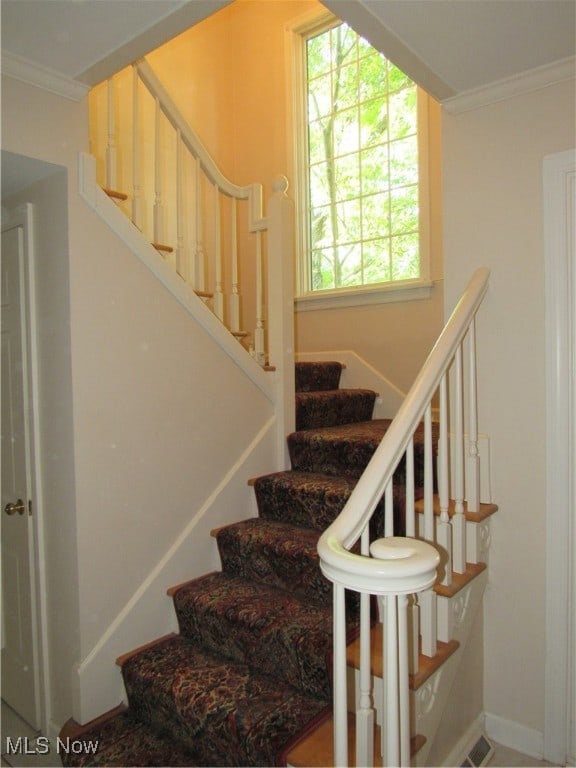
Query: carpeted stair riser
x=277 y=554
x=220 y=712
x=272 y=631
x=317 y=377
x=330 y=408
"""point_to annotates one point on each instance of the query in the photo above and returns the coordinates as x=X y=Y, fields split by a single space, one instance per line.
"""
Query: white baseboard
x=514 y=735
x=465 y=743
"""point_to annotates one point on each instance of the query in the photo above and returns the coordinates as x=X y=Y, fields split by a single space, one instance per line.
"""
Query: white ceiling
x=451 y=47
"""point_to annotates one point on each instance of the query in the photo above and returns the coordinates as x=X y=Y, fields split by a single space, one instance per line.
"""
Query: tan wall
x=157 y=417
x=241 y=51
x=493 y=217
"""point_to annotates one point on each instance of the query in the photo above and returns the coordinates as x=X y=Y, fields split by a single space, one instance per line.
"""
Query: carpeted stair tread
x=308 y=499
x=310 y=376
x=329 y=408
x=275 y=553
x=124 y=741
x=347 y=449
x=270 y=630
x=221 y=712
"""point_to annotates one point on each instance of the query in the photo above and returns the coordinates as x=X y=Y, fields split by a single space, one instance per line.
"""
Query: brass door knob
x=17 y=507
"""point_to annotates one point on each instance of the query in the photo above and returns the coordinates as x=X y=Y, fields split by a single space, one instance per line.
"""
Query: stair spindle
x=111 y=150
x=459 y=521
x=137 y=202
x=235 y=295
x=259 y=343
x=199 y=273
x=218 y=289
x=473 y=483
x=159 y=235
x=444 y=528
x=182 y=265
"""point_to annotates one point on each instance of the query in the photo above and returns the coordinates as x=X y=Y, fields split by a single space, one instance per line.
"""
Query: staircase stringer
x=429 y=701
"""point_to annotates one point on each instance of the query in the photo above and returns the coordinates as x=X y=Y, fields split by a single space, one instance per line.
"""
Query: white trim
x=508 y=87
x=23 y=216
x=465 y=743
x=514 y=735
x=21 y=68
x=385 y=294
x=560 y=269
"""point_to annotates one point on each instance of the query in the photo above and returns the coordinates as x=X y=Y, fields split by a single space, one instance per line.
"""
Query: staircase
x=248 y=679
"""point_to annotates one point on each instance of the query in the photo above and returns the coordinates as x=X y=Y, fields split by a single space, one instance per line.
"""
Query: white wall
x=159 y=419
x=493 y=217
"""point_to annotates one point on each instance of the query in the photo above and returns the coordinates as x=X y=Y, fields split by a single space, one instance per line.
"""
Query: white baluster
x=389 y=509
x=473 y=484
x=340 y=679
x=459 y=520
x=403 y=682
x=410 y=511
x=259 y=344
x=158 y=202
x=429 y=524
x=111 y=153
x=137 y=217
x=391 y=682
x=182 y=265
x=199 y=275
x=218 y=288
x=365 y=708
x=413 y=634
x=444 y=528
x=235 y=295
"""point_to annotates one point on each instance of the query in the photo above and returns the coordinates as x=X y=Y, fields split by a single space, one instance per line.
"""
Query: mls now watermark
x=42 y=745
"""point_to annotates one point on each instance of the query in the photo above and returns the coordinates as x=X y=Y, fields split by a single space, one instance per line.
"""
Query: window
x=358 y=168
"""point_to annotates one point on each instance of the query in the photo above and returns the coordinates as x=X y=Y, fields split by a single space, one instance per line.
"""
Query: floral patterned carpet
x=251 y=667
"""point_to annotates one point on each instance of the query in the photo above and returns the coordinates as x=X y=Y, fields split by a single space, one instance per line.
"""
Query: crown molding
x=21 y=68
x=532 y=80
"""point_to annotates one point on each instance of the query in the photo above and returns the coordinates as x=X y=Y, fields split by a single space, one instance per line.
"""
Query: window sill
x=413 y=290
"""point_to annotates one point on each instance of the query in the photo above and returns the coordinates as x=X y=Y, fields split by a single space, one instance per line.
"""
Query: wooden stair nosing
x=162 y=247
x=485 y=511
x=121 y=660
x=73 y=730
x=426 y=665
x=114 y=194
x=316 y=748
x=460 y=580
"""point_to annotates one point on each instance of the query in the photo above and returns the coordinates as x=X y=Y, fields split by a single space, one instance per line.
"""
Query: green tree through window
x=362 y=150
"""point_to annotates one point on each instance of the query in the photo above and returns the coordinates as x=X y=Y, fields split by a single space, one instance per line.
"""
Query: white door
x=19 y=650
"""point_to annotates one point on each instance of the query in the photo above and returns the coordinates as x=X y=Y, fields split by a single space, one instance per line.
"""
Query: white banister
x=397 y=569
x=180 y=194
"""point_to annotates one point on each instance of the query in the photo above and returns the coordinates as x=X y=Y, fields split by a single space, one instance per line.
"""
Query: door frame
x=23 y=216
x=560 y=275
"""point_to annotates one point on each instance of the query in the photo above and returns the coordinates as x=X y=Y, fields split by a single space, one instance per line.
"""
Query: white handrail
x=399 y=566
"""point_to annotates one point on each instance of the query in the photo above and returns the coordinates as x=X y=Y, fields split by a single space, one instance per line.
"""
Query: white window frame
x=297 y=31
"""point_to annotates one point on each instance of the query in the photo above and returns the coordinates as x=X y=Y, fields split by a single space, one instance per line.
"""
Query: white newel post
x=281 y=308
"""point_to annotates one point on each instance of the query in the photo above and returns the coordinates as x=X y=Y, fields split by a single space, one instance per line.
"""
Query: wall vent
x=480 y=753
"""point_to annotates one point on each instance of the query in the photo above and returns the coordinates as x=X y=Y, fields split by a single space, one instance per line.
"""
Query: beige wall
x=493 y=217
x=144 y=406
x=248 y=131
